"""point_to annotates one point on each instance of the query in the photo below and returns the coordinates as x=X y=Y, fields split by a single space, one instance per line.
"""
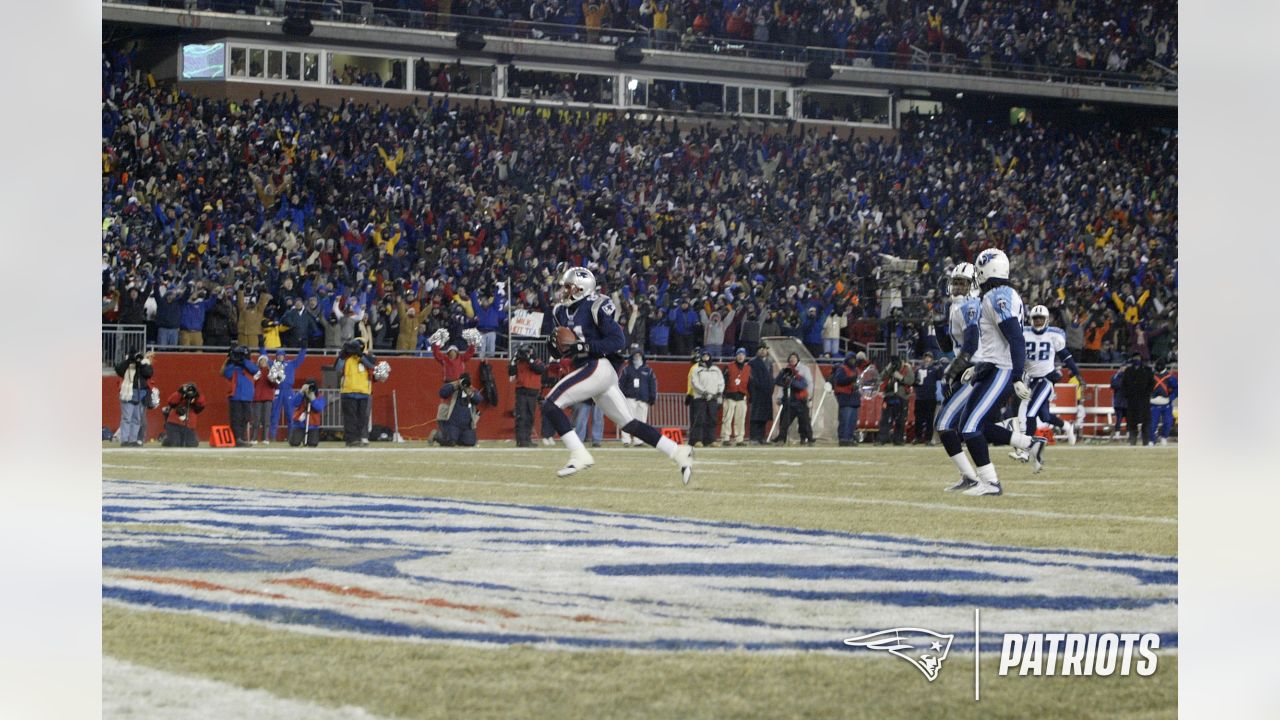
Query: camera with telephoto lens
x=524 y=352
x=238 y=354
x=354 y=346
x=464 y=382
x=310 y=389
x=189 y=391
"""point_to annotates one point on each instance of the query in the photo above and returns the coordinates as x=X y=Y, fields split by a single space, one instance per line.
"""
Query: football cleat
x=684 y=459
x=1036 y=451
x=1019 y=454
x=578 y=460
x=964 y=484
x=983 y=488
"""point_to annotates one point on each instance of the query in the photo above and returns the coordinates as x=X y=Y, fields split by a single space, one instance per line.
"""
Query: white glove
x=967 y=376
x=1021 y=390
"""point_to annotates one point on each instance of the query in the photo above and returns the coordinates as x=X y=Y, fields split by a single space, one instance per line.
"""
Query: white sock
x=667 y=447
x=572 y=441
x=962 y=461
x=987 y=474
x=1019 y=440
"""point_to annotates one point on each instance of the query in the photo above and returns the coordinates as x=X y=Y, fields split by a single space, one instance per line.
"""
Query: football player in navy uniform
x=997 y=368
x=597 y=354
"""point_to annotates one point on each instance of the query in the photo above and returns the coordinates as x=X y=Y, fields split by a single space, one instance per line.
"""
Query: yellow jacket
x=355 y=377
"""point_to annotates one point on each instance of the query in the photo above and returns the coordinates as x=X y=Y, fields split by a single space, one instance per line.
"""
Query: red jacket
x=736 y=381
x=453 y=368
x=177 y=406
x=263 y=389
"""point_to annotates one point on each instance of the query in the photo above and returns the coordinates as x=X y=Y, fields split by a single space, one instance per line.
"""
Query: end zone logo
x=1101 y=654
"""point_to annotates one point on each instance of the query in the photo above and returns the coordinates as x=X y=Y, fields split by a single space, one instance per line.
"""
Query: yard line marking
x=977 y=509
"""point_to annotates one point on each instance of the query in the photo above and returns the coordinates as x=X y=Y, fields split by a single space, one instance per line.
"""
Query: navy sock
x=951 y=442
x=978 y=450
x=646 y=432
x=559 y=421
x=994 y=434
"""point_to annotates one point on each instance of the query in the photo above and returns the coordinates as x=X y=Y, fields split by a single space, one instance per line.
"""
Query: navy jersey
x=594 y=320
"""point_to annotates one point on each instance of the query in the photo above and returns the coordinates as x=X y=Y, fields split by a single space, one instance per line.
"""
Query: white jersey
x=963 y=314
x=998 y=304
x=1042 y=349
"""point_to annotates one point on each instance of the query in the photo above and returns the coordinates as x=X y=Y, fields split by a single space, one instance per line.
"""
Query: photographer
x=795 y=381
x=180 y=412
x=458 y=417
x=526 y=374
x=240 y=371
x=304 y=415
x=356 y=367
x=848 y=396
x=899 y=376
x=135 y=371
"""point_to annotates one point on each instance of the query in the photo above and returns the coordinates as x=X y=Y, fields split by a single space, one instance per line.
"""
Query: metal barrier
x=669 y=411
x=120 y=341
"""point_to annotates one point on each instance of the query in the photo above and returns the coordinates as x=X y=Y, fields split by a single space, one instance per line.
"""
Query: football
x=565 y=338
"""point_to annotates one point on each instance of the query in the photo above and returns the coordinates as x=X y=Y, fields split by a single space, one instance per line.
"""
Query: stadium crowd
x=279 y=223
x=1115 y=36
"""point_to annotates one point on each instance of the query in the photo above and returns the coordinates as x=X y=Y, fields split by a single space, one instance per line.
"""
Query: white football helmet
x=578 y=283
x=963 y=273
x=381 y=371
x=992 y=264
x=1040 y=313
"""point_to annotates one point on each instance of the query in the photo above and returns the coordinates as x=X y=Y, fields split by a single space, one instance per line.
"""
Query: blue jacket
x=683 y=321
x=660 y=333
x=489 y=318
x=811 y=328
x=298 y=400
x=241 y=377
x=192 y=315
x=639 y=383
x=169 y=312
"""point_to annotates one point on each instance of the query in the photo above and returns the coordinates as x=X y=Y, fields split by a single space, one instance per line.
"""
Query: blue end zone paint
x=245 y=558
x=443 y=505
x=803 y=572
x=1142 y=575
x=908 y=598
x=341 y=621
x=398 y=531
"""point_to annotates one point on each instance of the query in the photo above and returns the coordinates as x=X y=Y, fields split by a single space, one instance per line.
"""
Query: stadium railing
x=119 y=341
x=364 y=13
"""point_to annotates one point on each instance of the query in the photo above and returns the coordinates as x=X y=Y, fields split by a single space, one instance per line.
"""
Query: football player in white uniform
x=999 y=359
x=963 y=328
x=597 y=355
x=1046 y=345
